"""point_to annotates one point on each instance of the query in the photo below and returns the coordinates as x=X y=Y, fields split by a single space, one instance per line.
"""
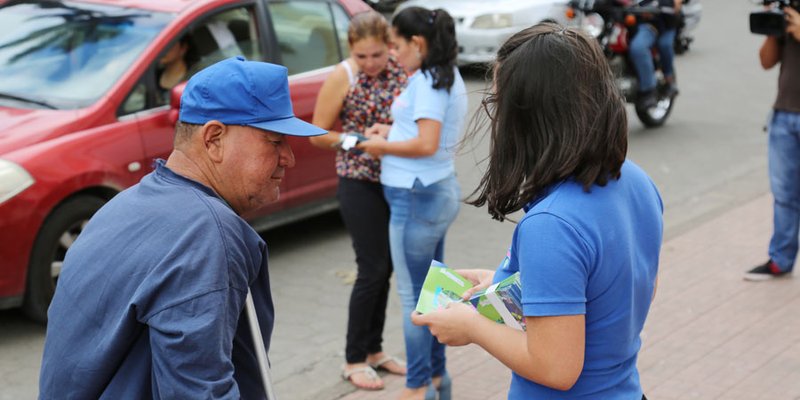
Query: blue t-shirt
x=595 y=254
x=150 y=298
x=419 y=100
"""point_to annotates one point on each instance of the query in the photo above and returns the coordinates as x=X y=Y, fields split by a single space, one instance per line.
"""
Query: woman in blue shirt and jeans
x=418 y=174
x=587 y=247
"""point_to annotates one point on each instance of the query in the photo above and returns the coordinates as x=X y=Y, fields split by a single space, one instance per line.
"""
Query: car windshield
x=66 y=55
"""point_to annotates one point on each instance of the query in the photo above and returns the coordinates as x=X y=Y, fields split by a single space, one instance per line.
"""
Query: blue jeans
x=419 y=218
x=642 y=58
x=784 y=179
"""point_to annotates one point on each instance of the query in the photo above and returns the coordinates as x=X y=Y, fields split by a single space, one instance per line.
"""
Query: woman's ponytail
x=442 y=49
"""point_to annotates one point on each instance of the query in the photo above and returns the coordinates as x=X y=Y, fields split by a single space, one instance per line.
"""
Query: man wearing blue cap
x=149 y=301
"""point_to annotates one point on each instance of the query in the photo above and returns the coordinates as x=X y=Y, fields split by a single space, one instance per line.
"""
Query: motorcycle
x=613 y=23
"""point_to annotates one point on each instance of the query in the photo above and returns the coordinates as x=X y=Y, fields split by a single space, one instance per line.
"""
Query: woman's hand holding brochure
x=480 y=278
x=499 y=302
x=452 y=326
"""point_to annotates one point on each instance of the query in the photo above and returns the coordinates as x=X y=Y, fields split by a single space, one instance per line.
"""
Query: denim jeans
x=642 y=58
x=784 y=180
x=419 y=218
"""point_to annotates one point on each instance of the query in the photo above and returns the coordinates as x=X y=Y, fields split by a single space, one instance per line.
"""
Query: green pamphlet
x=442 y=286
x=500 y=302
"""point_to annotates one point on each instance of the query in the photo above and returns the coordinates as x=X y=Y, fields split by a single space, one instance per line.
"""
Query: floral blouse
x=368 y=102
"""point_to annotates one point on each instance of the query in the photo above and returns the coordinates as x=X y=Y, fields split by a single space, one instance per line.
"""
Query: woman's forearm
x=424 y=145
x=329 y=140
x=553 y=358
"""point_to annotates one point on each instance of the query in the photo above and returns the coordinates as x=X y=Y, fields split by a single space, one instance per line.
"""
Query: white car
x=482 y=26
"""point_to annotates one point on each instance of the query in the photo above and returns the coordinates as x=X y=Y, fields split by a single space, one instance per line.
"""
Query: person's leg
x=449 y=213
x=419 y=219
x=784 y=178
x=375 y=248
x=417 y=361
x=666 y=52
x=438 y=359
x=441 y=382
x=642 y=58
x=365 y=215
x=434 y=208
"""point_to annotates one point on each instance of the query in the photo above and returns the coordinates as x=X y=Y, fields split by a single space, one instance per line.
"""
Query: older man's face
x=255 y=163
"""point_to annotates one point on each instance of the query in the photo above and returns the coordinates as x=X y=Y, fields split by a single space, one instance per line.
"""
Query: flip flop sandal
x=368 y=371
x=379 y=365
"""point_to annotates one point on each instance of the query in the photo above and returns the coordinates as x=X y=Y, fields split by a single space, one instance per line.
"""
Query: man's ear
x=212 y=134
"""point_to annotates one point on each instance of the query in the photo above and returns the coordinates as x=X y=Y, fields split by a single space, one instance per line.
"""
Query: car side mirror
x=175 y=102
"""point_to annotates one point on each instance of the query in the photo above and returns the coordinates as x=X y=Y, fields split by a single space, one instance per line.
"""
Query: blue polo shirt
x=150 y=297
x=594 y=254
x=419 y=100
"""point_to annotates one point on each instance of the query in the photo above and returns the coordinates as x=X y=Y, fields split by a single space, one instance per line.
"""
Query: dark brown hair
x=555 y=114
x=368 y=24
x=439 y=31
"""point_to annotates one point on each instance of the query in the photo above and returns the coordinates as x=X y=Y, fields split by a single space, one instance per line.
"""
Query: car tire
x=57 y=234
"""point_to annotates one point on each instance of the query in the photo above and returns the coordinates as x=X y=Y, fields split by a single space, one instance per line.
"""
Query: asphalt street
x=709 y=158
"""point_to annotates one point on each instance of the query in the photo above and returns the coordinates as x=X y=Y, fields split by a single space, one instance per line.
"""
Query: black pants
x=366 y=217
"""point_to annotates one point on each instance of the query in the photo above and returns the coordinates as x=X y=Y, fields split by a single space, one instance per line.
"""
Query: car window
x=230 y=33
x=306 y=35
x=227 y=34
x=136 y=100
x=342 y=21
x=67 y=55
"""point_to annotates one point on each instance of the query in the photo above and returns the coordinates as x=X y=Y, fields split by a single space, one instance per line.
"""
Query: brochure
x=500 y=302
x=442 y=286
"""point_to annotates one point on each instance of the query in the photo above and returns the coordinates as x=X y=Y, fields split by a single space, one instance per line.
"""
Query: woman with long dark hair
x=587 y=247
x=418 y=174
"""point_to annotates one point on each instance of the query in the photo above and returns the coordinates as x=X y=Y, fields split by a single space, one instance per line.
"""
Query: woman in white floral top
x=359 y=94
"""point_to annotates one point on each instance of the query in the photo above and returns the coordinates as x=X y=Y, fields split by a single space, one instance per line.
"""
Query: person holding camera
x=783 y=150
x=659 y=30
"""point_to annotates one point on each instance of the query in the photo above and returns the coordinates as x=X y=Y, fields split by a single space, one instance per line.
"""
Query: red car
x=86 y=106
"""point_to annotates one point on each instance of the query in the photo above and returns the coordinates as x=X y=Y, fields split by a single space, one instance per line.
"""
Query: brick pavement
x=709 y=335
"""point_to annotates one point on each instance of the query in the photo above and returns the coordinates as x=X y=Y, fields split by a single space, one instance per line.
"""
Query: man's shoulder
x=178 y=207
x=185 y=196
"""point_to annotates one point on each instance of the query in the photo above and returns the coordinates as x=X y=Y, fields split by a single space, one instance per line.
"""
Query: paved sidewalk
x=709 y=335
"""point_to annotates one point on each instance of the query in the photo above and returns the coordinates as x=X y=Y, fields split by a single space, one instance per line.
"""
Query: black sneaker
x=646 y=100
x=672 y=90
x=766 y=271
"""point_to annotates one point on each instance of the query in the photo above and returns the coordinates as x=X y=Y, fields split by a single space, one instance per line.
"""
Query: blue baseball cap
x=240 y=92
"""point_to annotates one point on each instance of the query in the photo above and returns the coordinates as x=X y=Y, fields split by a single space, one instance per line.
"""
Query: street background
x=709 y=163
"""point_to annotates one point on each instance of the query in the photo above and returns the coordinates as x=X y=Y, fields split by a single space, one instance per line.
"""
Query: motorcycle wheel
x=656 y=116
x=58 y=233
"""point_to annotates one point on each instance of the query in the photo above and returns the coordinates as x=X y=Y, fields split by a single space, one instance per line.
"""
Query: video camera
x=772 y=22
